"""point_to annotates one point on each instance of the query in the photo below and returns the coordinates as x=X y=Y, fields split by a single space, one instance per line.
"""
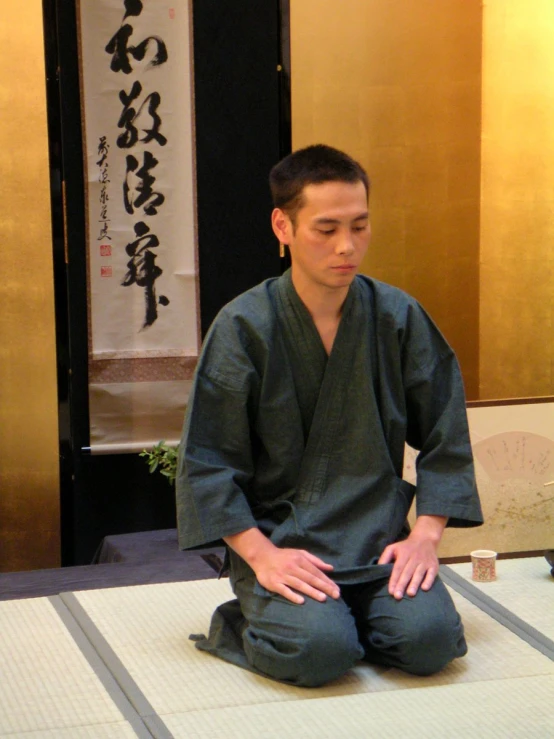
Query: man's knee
x=432 y=642
x=434 y=632
x=310 y=654
x=420 y=635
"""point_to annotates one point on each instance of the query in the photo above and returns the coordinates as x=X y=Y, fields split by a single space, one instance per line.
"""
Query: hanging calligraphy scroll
x=143 y=284
x=135 y=68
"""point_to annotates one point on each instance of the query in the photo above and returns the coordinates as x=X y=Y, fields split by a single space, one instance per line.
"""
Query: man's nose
x=345 y=244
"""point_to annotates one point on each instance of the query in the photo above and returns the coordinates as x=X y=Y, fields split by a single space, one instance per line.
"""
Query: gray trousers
x=313 y=643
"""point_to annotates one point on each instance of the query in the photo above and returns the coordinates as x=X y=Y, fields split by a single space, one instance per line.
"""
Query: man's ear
x=282 y=226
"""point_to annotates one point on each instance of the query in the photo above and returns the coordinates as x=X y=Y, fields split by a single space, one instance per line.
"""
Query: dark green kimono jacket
x=310 y=448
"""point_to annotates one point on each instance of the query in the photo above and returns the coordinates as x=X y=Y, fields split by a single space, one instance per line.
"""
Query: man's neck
x=323 y=303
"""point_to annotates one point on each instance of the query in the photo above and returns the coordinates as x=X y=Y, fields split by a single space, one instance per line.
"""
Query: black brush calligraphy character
x=130 y=116
x=132 y=164
x=143 y=271
x=142 y=195
x=104 y=233
x=159 y=58
x=103 y=148
x=132 y=7
x=118 y=47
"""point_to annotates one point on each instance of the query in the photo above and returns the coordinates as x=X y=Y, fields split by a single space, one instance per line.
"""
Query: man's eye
x=326 y=231
x=358 y=229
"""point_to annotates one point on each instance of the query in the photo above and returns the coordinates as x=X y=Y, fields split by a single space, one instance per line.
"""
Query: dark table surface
x=122 y=560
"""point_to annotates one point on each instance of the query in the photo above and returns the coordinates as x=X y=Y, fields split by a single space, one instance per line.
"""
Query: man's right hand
x=291 y=573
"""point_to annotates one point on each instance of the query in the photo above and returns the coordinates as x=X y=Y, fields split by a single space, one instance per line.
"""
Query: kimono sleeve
x=437 y=424
x=215 y=463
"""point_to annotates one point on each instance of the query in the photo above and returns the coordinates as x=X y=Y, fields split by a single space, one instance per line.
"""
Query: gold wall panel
x=517 y=200
x=29 y=477
x=398 y=86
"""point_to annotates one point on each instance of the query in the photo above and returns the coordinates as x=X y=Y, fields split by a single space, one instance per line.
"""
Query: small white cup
x=483 y=563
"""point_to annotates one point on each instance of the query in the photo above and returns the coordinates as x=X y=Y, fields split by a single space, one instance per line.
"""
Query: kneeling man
x=308 y=387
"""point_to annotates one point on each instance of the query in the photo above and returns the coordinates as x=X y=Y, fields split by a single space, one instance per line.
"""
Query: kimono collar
x=288 y=291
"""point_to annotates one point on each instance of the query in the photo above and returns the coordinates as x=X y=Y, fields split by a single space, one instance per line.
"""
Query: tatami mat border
x=108 y=667
x=497 y=611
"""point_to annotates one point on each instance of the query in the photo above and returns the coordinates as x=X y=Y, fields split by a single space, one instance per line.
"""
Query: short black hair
x=312 y=165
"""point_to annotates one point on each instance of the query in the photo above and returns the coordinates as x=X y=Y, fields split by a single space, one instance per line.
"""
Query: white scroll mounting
x=136 y=79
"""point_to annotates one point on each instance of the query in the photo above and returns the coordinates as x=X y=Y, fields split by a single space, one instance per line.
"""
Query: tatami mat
x=493 y=710
x=121 y=730
x=46 y=682
x=524 y=586
x=118 y=663
x=148 y=628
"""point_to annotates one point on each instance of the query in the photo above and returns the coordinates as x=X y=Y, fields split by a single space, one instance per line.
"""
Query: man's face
x=330 y=235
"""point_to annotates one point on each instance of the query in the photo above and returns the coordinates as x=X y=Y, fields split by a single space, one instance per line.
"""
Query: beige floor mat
x=523 y=586
x=148 y=627
x=46 y=682
x=121 y=730
x=496 y=709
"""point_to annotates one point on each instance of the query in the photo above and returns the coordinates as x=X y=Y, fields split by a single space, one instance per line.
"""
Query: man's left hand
x=415 y=559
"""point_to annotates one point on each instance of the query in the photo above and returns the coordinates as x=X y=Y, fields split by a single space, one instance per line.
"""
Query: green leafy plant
x=164 y=458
